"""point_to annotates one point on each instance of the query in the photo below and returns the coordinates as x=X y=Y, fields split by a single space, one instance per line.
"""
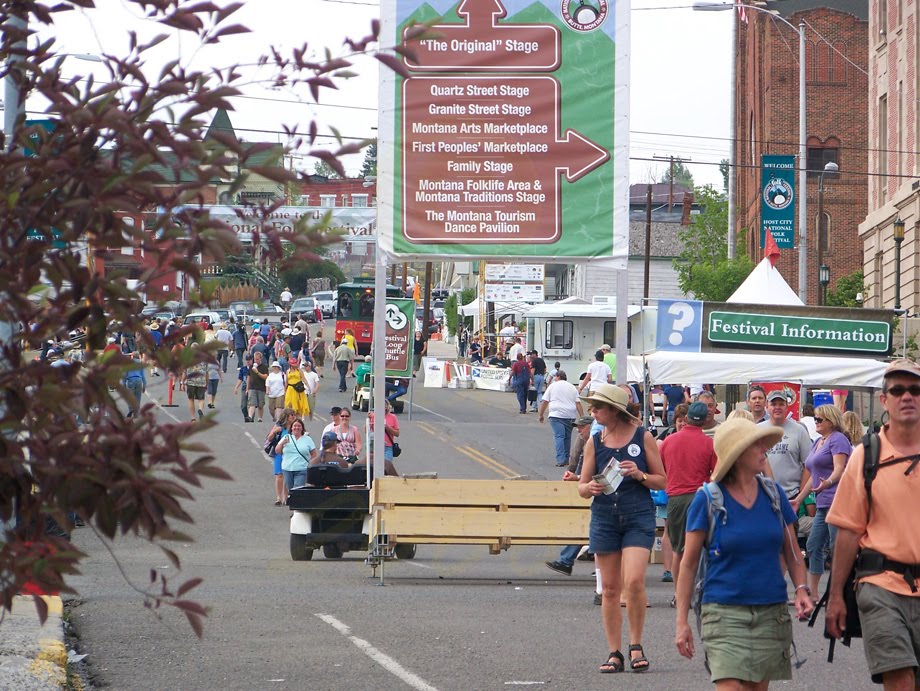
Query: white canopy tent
x=517 y=308
x=765 y=285
x=730 y=368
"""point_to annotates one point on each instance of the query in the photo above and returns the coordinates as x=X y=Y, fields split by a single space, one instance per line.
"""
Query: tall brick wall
x=767 y=122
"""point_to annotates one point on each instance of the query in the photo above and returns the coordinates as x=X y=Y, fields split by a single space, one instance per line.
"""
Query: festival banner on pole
x=400 y=337
x=777 y=200
x=509 y=136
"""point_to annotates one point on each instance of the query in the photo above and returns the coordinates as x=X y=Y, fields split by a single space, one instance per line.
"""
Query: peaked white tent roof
x=765 y=286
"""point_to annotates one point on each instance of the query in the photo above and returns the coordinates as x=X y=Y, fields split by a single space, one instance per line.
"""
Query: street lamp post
x=824 y=277
x=829 y=167
x=803 y=150
x=898 y=239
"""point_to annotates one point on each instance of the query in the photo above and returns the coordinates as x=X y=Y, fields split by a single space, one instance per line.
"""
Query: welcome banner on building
x=777 y=200
x=356 y=223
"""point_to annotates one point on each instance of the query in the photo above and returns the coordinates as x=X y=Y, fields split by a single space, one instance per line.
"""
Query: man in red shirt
x=689 y=459
x=519 y=379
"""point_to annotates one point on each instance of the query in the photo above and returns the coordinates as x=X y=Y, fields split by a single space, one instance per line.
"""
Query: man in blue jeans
x=568 y=554
x=519 y=379
x=561 y=404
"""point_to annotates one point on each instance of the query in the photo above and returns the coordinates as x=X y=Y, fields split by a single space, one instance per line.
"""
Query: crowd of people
x=744 y=497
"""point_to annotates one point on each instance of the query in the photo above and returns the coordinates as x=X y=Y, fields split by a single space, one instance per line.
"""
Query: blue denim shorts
x=613 y=528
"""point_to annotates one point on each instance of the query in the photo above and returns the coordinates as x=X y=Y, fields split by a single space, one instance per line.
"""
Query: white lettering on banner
x=493 y=373
x=353 y=221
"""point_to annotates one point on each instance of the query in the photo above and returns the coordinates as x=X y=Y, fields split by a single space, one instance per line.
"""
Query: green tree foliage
x=369 y=167
x=844 y=293
x=725 y=169
x=296 y=274
x=703 y=268
x=118 y=148
x=325 y=169
x=452 y=305
x=682 y=175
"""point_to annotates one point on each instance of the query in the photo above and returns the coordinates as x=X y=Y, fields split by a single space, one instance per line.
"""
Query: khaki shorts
x=677 y=520
x=750 y=643
x=275 y=403
x=891 y=629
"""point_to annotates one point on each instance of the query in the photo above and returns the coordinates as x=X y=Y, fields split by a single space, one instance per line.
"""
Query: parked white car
x=325 y=300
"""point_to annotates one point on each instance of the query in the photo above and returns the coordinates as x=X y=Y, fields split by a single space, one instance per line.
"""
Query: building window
x=559 y=334
x=359 y=200
x=610 y=335
x=129 y=236
x=327 y=201
x=882 y=18
x=882 y=148
x=819 y=155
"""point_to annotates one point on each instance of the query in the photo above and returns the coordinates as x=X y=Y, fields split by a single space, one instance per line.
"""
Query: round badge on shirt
x=633 y=450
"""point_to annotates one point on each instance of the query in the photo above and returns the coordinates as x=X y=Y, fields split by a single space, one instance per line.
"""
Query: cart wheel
x=332 y=551
x=364 y=405
x=299 y=549
x=405 y=551
x=354 y=404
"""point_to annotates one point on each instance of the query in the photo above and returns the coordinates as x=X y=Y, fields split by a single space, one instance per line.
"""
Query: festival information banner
x=509 y=136
x=400 y=338
x=777 y=200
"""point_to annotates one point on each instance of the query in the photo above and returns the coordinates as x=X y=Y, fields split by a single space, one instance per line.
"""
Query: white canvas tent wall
x=765 y=286
x=502 y=309
x=724 y=368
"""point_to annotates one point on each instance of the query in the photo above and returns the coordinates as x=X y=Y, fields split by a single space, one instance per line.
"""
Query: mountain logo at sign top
x=584 y=16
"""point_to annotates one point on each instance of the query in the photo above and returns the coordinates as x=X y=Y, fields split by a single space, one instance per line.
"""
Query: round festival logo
x=584 y=15
x=777 y=193
x=633 y=450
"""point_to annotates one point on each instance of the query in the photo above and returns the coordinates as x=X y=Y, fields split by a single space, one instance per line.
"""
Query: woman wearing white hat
x=746 y=627
x=622 y=530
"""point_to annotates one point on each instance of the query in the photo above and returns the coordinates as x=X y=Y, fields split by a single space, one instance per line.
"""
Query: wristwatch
x=644 y=477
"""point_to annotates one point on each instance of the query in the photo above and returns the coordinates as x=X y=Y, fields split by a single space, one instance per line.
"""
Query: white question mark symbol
x=683 y=314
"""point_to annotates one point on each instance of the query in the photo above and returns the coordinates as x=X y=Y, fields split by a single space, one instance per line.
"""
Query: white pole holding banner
x=378 y=351
x=621 y=350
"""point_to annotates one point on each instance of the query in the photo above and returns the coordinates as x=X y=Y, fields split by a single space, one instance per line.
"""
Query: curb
x=33 y=656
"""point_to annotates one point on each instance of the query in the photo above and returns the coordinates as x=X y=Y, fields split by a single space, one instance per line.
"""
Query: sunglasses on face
x=899 y=390
x=819 y=419
x=345 y=416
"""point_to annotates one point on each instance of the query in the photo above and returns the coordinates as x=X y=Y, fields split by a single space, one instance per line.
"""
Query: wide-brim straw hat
x=735 y=436
x=611 y=395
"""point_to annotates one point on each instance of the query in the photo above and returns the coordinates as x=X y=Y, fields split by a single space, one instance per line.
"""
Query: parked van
x=325 y=300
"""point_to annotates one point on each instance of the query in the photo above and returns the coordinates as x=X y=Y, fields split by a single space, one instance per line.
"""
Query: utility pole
x=673 y=160
x=648 y=237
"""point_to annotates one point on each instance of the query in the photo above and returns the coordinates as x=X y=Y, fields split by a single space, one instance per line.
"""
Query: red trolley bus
x=354 y=310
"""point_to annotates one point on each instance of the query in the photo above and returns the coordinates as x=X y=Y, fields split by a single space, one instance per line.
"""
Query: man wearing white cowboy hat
x=744 y=591
x=881 y=528
x=787 y=457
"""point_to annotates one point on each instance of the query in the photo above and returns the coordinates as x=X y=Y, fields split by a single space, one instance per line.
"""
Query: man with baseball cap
x=568 y=554
x=610 y=358
x=879 y=533
x=689 y=459
x=787 y=457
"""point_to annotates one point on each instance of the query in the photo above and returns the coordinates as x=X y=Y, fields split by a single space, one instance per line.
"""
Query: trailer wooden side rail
x=497 y=513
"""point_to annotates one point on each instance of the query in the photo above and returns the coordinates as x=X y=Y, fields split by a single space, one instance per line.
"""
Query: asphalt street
x=452 y=618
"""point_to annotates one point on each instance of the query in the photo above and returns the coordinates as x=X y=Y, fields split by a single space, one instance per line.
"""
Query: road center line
x=485 y=463
x=491 y=460
x=382 y=659
x=428 y=410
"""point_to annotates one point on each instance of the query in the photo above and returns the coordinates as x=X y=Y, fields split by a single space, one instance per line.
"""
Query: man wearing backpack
x=877 y=519
x=689 y=459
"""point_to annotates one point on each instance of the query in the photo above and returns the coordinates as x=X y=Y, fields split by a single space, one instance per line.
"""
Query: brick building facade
x=767 y=122
x=894 y=189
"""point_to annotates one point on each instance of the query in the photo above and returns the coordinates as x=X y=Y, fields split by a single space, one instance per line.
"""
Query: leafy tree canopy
x=369 y=167
x=703 y=267
x=132 y=145
x=846 y=290
x=682 y=174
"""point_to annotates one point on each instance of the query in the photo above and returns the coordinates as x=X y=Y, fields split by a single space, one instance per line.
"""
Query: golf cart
x=361 y=398
x=332 y=511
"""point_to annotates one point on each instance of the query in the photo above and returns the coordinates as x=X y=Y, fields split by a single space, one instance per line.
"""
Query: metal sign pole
x=378 y=350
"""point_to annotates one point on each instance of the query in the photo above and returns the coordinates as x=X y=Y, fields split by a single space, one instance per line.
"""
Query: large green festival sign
x=509 y=136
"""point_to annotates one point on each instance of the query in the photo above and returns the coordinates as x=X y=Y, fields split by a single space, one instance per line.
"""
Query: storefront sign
x=784 y=331
x=472 y=148
x=777 y=200
x=400 y=338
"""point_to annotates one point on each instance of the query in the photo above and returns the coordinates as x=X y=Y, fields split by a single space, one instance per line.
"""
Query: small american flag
x=742 y=14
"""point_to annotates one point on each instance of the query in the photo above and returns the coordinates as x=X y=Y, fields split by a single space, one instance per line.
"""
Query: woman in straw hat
x=622 y=528
x=746 y=627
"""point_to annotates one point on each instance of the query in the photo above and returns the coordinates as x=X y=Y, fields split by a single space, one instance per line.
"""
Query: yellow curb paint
x=50 y=664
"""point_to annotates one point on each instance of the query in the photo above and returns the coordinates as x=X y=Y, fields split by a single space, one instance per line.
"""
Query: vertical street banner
x=777 y=200
x=400 y=337
x=509 y=136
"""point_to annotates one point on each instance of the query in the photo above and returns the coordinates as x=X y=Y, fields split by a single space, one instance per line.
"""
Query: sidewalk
x=33 y=657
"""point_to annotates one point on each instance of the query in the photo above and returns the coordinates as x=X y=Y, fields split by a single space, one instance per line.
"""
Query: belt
x=869 y=562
